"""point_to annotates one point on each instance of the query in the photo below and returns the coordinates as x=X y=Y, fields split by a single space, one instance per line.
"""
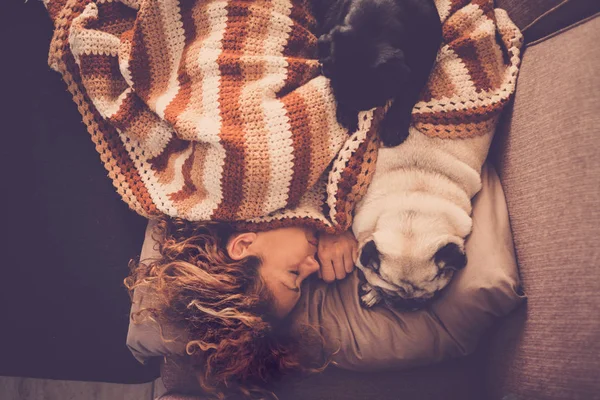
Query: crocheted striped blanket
x=215 y=109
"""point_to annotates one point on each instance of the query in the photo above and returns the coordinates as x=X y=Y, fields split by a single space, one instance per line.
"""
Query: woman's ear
x=239 y=245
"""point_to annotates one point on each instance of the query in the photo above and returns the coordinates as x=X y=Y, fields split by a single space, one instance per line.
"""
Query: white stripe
x=209 y=125
x=175 y=41
x=459 y=75
x=443 y=7
x=337 y=133
x=157 y=139
x=108 y=107
x=280 y=142
x=90 y=41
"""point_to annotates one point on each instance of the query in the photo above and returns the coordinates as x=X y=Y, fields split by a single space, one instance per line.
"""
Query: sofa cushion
x=550 y=169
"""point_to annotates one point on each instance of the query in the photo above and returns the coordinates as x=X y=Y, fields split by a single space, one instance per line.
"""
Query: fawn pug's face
x=408 y=259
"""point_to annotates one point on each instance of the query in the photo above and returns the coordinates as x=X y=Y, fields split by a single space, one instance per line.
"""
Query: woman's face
x=288 y=257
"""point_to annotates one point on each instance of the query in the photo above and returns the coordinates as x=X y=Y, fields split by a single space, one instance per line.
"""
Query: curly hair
x=236 y=342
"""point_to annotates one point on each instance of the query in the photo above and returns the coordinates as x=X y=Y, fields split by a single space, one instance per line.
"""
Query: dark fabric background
x=66 y=234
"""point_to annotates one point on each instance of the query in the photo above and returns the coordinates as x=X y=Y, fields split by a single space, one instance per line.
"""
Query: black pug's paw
x=393 y=130
x=347 y=118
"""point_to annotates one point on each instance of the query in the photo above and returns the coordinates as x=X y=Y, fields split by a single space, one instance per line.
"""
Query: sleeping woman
x=232 y=292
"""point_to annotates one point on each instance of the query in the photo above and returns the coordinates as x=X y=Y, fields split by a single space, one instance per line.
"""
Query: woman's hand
x=337 y=254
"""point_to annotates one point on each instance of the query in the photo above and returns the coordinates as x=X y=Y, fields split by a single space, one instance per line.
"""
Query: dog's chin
x=399 y=303
x=392 y=299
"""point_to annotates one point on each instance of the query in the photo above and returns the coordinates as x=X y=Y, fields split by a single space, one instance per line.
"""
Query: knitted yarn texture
x=215 y=109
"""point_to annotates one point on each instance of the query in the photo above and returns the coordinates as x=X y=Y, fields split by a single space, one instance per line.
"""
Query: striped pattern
x=475 y=72
x=214 y=109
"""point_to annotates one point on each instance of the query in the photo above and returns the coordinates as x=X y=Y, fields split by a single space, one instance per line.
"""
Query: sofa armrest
x=550 y=169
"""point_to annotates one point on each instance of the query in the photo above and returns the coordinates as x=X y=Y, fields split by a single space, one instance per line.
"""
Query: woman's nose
x=310 y=266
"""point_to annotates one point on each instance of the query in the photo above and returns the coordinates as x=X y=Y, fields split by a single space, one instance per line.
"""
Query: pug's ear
x=370 y=256
x=344 y=41
x=324 y=46
x=450 y=256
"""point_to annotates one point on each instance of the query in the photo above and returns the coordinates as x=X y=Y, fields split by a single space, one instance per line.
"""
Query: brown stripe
x=116 y=18
x=439 y=86
x=299 y=72
x=232 y=132
x=163 y=165
x=174 y=147
x=193 y=191
x=487 y=6
x=300 y=49
x=134 y=118
x=54 y=8
x=101 y=75
x=184 y=95
x=301 y=14
x=455 y=27
x=150 y=20
x=301 y=43
x=473 y=114
x=466 y=50
x=188 y=186
x=300 y=127
x=458 y=130
x=99 y=65
x=457 y=5
x=490 y=57
x=258 y=165
x=138 y=65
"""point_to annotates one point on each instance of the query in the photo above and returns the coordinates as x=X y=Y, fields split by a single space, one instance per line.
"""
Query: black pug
x=374 y=51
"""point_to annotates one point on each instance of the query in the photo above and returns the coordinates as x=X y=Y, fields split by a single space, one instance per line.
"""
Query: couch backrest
x=539 y=18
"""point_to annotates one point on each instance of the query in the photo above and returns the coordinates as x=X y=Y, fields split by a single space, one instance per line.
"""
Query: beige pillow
x=488 y=287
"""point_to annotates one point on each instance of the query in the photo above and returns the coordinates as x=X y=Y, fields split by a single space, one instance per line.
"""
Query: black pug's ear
x=324 y=54
x=324 y=46
x=450 y=256
x=370 y=256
